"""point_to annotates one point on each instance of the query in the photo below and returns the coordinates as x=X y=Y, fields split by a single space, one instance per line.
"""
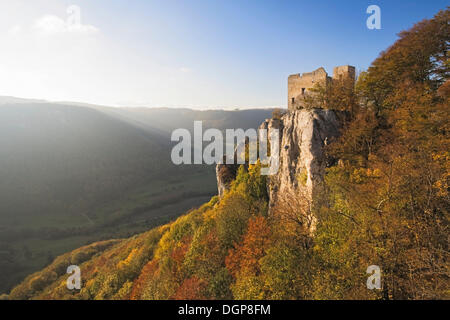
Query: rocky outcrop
x=225 y=174
x=303 y=135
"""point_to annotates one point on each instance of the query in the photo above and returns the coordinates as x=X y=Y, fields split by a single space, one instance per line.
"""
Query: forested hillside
x=385 y=202
x=74 y=174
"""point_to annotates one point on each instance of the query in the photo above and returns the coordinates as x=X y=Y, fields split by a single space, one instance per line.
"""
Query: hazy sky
x=186 y=53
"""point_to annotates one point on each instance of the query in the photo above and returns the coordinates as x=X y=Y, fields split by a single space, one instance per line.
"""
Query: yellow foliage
x=126 y=262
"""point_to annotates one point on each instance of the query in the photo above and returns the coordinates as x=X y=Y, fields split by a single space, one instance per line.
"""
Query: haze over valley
x=71 y=174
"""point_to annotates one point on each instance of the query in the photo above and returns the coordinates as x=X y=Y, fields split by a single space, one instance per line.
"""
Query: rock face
x=225 y=174
x=303 y=135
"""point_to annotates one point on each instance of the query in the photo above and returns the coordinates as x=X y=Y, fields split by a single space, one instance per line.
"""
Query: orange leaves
x=191 y=289
x=244 y=258
x=180 y=250
x=147 y=273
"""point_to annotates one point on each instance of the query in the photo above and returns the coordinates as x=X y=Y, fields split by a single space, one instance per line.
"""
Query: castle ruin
x=299 y=85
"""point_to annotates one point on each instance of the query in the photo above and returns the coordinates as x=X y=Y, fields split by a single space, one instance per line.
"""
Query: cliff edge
x=303 y=135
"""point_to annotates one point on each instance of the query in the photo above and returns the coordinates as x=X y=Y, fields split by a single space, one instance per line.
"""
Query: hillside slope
x=152 y=265
x=50 y=153
x=72 y=174
x=384 y=202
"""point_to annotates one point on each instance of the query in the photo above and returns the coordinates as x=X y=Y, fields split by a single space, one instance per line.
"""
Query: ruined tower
x=299 y=85
x=343 y=72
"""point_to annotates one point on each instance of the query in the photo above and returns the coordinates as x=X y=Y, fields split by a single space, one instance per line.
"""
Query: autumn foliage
x=385 y=202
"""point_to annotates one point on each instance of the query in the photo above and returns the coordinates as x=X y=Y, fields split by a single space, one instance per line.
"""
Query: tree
x=386 y=203
x=243 y=261
x=191 y=289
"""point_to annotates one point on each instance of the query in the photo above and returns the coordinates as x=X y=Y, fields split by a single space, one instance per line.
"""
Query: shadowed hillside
x=72 y=174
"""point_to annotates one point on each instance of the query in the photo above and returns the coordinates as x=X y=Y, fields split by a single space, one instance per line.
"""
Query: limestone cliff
x=303 y=135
